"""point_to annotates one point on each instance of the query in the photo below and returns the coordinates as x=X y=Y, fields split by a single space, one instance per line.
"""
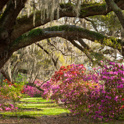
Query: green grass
x=35 y=99
x=51 y=111
x=36 y=107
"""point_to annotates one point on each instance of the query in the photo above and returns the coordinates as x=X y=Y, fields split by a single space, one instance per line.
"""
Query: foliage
x=38 y=108
x=111 y=97
x=11 y=91
x=97 y=95
x=7 y=107
x=21 y=79
x=32 y=90
x=66 y=75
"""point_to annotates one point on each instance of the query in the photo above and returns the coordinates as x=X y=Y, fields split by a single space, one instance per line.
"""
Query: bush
x=111 y=97
x=7 y=107
x=61 y=82
x=98 y=95
x=33 y=91
x=11 y=91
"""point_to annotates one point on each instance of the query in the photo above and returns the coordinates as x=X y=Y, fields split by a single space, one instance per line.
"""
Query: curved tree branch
x=84 y=44
x=9 y=16
x=83 y=50
x=63 y=31
x=25 y=23
x=6 y=76
x=55 y=61
x=3 y=3
x=117 y=11
x=7 y=21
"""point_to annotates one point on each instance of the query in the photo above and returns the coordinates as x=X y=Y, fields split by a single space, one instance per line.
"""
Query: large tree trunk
x=4 y=56
x=3 y=3
x=7 y=22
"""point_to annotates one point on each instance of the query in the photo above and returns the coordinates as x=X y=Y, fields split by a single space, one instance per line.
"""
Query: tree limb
x=33 y=85
x=25 y=23
x=84 y=44
x=119 y=14
x=53 y=59
x=59 y=49
x=10 y=14
x=93 y=24
x=64 y=31
x=5 y=75
x=3 y=3
x=80 y=48
x=8 y=19
x=117 y=11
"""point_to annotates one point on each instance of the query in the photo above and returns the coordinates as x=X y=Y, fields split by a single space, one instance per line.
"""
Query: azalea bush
x=98 y=95
x=7 y=107
x=11 y=91
x=9 y=94
x=32 y=90
x=61 y=82
x=112 y=76
x=108 y=104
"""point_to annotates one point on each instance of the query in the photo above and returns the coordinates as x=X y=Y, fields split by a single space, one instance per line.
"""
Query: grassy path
x=40 y=111
x=36 y=107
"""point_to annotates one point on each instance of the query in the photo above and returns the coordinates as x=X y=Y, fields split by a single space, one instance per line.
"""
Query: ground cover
x=35 y=107
x=41 y=111
x=85 y=95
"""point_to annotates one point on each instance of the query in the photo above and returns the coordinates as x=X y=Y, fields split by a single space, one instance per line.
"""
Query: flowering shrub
x=62 y=81
x=106 y=101
x=33 y=91
x=11 y=91
x=7 y=82
x=7 y=107
x=111 y=99
x=98 y=95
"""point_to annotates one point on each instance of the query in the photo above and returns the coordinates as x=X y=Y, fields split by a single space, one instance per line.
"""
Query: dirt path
x=53 y=120
x=58 y=119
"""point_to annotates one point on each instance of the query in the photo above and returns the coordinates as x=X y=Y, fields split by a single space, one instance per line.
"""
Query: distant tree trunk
x=5 y=75
x=4 y=56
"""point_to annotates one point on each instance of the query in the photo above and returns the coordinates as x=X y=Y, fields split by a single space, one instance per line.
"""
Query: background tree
x=20 y=18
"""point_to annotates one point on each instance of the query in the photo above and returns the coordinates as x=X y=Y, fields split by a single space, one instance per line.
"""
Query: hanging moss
x=69 y=6
x=25 y=19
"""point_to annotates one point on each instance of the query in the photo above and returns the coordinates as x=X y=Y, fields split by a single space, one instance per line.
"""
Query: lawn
x=42 y=110
x=35 y=107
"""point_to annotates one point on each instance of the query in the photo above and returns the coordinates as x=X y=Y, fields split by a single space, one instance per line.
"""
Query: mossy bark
x=63 y=31
x=24 y=24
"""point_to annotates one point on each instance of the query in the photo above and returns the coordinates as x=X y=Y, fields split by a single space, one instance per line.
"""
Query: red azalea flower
x=122 y=99
x=62 y=67
x=22 y=91
x=122 y=107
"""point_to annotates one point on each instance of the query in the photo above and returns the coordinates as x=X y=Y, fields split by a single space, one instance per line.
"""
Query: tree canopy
x=23 y=22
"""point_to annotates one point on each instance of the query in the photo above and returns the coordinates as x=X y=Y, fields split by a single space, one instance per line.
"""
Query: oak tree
x=22 y=21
